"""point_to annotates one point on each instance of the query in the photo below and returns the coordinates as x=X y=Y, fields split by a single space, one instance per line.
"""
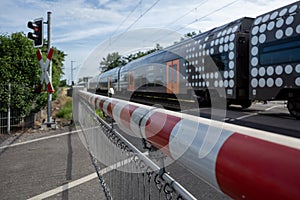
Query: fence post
x=8 y=110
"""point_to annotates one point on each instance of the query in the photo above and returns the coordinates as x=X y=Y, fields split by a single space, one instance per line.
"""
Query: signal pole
x=49 y=106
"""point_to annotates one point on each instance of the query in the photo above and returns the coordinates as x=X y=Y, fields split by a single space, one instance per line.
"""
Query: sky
x=87 y=30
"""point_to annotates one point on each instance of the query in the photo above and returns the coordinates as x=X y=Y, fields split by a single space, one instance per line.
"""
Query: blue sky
x=81 y=27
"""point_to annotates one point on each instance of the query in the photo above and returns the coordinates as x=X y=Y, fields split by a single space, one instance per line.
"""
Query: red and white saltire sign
x=44 y=67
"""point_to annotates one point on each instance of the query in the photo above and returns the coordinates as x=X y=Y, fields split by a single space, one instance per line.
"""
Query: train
x=249 y=59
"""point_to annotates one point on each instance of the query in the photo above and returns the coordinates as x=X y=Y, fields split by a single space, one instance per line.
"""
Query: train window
x=284 y=51
x=221 y=60
x=175 y=74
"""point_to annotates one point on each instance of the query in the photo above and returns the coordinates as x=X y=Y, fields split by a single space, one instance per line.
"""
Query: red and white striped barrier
x=241 y=162
x=44 y=67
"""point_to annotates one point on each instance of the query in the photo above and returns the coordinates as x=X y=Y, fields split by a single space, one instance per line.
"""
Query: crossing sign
x=45 y=75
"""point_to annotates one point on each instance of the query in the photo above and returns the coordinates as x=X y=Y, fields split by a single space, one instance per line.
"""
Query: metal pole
x=8 y=110
x=72 y=71
x=49 y=119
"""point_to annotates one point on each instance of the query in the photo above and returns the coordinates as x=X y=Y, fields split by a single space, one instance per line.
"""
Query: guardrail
x=241 y=162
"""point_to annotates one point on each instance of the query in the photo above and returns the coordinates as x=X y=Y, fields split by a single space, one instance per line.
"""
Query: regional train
x=250 y=59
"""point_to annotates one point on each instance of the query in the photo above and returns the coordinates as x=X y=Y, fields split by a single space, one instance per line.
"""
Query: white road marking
x=38 y=139
x=254 y=114
x=80 y=181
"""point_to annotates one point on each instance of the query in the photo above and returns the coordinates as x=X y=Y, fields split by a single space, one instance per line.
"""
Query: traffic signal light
x=37 y=35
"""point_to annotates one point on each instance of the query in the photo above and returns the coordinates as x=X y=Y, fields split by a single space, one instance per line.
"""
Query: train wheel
x=294 y=107
x=246 y=104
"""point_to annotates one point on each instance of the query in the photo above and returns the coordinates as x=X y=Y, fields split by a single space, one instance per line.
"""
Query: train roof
x=277 y=13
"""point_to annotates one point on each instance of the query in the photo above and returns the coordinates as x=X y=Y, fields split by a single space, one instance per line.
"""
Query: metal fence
x=11 y=119
x=10 y=123
x=124 y=171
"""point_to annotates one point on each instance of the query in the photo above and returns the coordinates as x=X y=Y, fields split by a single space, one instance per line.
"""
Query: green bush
x=66 y=111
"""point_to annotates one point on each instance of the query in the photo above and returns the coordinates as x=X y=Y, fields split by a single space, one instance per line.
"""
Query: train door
x=130 y=81
x=172 y=75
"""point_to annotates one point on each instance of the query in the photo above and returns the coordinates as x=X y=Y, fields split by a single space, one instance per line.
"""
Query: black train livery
x=249 y=59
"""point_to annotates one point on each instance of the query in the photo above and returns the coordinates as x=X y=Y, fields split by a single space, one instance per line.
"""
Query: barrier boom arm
x=241 y=162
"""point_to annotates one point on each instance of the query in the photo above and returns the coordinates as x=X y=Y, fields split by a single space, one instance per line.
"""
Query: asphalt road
x=34 y=164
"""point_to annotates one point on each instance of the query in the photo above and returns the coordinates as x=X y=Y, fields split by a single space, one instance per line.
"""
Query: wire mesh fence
x=124 y=171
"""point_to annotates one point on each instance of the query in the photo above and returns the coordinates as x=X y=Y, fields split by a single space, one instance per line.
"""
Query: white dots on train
x=224 y=32
x=231 y=46
x=274 y=15
x=231 y=83
x=270 y=70
x=206 y=39
x=231 y=64
x=278 y=82
x=289 y=31
x=288 y=69
x=262 y=28
x=293 y=8
x=254 y=61
x=200 y=46
x=229 y=30
x=212 y=51
x=254 y=51
x=212 y=43
x=231 y=38
x=279 y=34
x=225 y=74
x=262 y=71
x=254 y=72
x=225 y=83
x=279 y=23
x=289 y=20
x=211 y=75
x=221 y=49
x=254 y=40
x=254 y=83
x=207 y=83
x=221 y=83
x=231 y=74
x=219 y=34
x=207 y=52
x=279 y=70
x=257 y=21
x=226 y=47
x=221 y=40
x=297 y=68
x=271 y=25
x=216 y=83
x=297 y=81
x=270 y=82
x=255 y=30
x=231 y=55
x=262 y=82
x=217 y=41
x=234 y=29
x=266 y=18
x=216 y=75
x=298 y=29
x=283 y=12
x=207 y=75
x=262 y=38
x=226 y=39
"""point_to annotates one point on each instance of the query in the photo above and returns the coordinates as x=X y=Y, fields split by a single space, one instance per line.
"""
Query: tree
x=20 y=67
x=111 y=61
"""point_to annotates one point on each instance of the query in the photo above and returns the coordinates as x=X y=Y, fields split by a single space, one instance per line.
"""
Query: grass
x=66 y=111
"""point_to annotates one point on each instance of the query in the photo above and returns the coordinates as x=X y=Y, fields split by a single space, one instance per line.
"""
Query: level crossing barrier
x=242 y=163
